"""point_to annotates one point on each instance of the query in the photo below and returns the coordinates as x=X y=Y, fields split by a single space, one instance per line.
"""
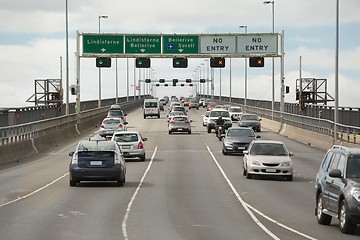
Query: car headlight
x=355 y=193
x=255 y=162
x=286 y=164
x=228 y=143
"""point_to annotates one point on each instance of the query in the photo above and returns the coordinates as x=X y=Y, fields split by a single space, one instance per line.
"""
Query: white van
x=151 y=108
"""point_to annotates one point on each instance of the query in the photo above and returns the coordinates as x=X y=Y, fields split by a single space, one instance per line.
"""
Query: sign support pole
x=78 y=76
x=282 y=103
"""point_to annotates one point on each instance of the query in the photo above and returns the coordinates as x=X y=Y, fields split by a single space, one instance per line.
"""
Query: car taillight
x=140 y=145
x=74 y=159
x=171 y=122
x=102 y=126
x=120 y=126
x=117 y=159
x=186 y=122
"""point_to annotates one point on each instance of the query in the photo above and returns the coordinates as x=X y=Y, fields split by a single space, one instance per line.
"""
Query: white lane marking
x=247 y=207
x=33 y=192
x=124 y=223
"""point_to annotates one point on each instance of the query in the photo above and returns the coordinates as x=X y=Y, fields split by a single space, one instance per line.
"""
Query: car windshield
x=241 y=133
x=274 y=149
x=131 y=137
x=96 y=155
x=235 y=110
x=219 y=113
x=249 y=117
x=178 y=119
x=175 y=113
x=353 y=168
x=178 y=108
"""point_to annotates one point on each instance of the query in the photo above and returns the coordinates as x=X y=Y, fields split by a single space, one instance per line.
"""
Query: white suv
x=215 y=114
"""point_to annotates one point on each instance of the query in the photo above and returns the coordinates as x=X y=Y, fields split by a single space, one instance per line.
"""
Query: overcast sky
x=32 y=40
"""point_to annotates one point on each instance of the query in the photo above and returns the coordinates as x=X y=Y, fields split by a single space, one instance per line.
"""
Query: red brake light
x=186 y=121
x=120 y=126
x=102 y=126
x=140 y=145
x=171 y=122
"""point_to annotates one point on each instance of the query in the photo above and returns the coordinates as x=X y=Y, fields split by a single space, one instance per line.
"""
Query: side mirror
x=144 y=139
x=125 y=114
x=191 y=120
x=257 y=136
x=291 y=154
x=71 y=154
x=125 y=123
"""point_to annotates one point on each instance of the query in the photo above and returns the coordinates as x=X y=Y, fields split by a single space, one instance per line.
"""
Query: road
x=186 y=189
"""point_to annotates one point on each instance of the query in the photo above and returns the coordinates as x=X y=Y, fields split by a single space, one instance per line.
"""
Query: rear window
x=126 y=138
x=112 y=121
x=180 y=118
x=151 y=104
x=96 y=155
x=268 y=149
x=241 y=133
x=234 y=109
x=119 y=113
x=219 y=113
x=249 y=117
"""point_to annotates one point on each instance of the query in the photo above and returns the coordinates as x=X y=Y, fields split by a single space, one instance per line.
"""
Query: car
x=237 y=139
x=210 y=106
x=226 y=107
x=131 y=144
x=206 y=102
x=235 y=112
x=116 y=113
x=201 y=102
x=161 y=106
x=206 y=118
x=163 y=101
x=194 y=104
x=186 y=102
x=151 y=108
x=111 y=125
x=250 y=120
x=173 y=104
x=214 y=115
x=179 y=109
x=175 y=113
x=179 y=124
x=268 y=158
x=338 y=188
x=97 y=160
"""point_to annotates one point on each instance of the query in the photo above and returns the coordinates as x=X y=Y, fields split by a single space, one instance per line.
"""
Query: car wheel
x=73 y=183
x=159 y=115
x=142 y=157
x=244 y=171
x=345 y=224
x=289 y=178
x=223 y=152
x=321 y=217
x=208 y=130
x=169 y=132
x=248 y=175
x=144 y=117
x=189 y=132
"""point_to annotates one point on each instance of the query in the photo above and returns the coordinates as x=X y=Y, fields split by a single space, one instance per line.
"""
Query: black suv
x=338 y=188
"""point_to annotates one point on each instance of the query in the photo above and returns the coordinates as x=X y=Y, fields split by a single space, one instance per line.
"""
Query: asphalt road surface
x=186 y=189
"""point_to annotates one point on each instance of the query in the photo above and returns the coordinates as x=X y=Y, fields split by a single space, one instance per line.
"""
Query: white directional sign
x=257 y=44
x=218 y=44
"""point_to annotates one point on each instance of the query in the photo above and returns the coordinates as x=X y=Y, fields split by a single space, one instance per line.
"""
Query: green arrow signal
x=101 y=62
x=140 y=62
x=177 y=62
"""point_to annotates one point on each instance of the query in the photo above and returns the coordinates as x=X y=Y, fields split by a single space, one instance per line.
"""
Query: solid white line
x=247 y=207
x=33 y=192
x=125 y=234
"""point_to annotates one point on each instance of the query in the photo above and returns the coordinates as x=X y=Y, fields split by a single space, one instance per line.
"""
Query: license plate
x=241 y=148
x=125 y=147
x=95 y=163
x=179 y=129
x=270 y=170
x=126 y=154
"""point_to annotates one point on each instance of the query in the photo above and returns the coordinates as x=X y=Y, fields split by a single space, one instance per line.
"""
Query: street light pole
x=273 y=81
x=99 y=102
x=336 y=72
x=245 y=71
x=67 y=59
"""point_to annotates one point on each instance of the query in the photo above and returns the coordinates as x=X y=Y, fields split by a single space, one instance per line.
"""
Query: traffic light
x=188 y=80
x=166 y=84
x=182 y=85
x=162 y=80
x=256 y=62
x=157 y=85
x=147 y=80
x=180 y=62
x=175 y=81
x=202 y=80
x=217 y=62
x=191 y=84
x=142 y=62
x=73 y=89
x=103 y=62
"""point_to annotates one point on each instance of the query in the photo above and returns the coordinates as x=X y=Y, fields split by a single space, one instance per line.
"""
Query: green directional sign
x=103 y=44
x=180 y=44
x=143 y=44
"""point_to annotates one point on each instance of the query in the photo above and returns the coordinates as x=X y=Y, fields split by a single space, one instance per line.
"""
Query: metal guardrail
x=345 y=133
x=26 y=131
